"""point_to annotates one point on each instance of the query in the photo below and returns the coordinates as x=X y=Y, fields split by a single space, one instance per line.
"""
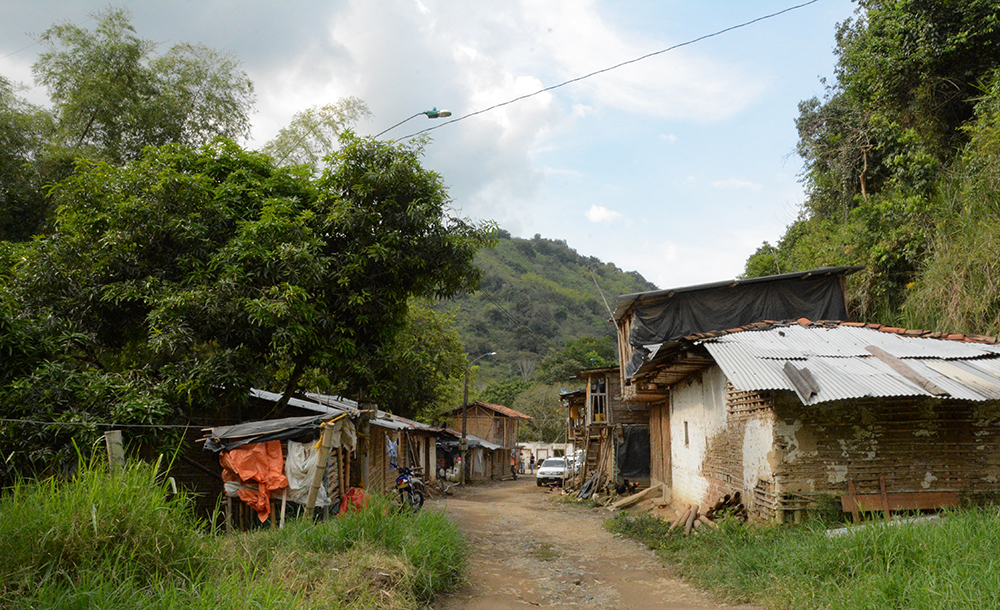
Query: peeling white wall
x=758 y=451
x=701 y=402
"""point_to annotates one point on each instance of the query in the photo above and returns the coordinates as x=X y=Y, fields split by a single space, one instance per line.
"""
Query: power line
x=614 y=67
x=87 y=423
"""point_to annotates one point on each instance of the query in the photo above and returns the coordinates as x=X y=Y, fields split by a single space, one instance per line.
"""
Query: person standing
x=531 y=463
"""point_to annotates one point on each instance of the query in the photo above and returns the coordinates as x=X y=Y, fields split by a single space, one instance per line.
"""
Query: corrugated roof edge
x=626 y=300
x=908 y=332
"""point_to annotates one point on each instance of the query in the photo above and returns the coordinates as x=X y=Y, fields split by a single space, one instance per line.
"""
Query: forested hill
x=535 y=295
x=902 y=167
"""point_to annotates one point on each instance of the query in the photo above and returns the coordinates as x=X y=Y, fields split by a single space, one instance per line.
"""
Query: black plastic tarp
x=633 y=453
x=663 y=320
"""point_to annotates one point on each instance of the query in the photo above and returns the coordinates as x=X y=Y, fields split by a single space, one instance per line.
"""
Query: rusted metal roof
x=843 y=361
x=497 y=408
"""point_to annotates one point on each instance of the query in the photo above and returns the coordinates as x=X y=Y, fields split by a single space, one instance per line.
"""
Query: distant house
x=795 y=413
x=496 y=425
x=491 y=422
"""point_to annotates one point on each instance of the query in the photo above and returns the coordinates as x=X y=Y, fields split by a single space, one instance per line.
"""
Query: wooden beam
x=904 y=369
x=903 y=500
x=635 y=498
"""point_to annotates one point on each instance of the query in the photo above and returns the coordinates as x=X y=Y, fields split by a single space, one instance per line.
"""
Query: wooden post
x=116 y=453
x=885 y=497
x=364 y=446
x=229 y=514
x=319 y=468
x=855 y=513
x=284 y=503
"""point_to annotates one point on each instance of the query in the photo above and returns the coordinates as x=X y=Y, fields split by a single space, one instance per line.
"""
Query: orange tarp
x=259 y=463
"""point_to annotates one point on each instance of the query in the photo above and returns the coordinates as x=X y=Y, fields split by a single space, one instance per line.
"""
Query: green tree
x=880 y=144
x=188 y=275
x=959 y=287
x=22 y=128
x=420 y=372
x=504 y=392
x=314 y=133
x=578 y=354
x=548 y=417
x=112 y=96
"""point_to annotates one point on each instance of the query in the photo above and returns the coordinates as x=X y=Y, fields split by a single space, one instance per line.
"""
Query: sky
x=678 y=166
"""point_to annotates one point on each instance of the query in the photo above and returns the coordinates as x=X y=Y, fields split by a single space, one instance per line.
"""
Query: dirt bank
x=529 y=552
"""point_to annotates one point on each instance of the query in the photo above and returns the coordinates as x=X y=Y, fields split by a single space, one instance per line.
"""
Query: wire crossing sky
x=678 y=164
x=608 y=69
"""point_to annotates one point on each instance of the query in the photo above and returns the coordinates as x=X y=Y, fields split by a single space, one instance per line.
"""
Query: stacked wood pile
x=691 y=518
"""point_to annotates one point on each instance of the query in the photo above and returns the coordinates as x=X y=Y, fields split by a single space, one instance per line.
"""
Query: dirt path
x=529 y=552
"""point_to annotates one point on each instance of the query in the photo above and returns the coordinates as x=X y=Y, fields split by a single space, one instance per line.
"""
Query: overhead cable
x=614 y=67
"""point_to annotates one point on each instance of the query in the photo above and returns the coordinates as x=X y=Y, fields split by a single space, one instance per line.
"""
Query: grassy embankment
x=953 y=563
x=120 y=540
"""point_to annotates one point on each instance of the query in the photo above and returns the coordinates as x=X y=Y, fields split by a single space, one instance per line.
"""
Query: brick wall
x=916 y=444
x=733 y=455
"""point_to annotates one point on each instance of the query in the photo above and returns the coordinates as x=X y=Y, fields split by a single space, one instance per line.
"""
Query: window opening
x=598 y=399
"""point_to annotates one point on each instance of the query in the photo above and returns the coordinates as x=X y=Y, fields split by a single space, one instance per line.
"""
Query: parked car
x=552 y=470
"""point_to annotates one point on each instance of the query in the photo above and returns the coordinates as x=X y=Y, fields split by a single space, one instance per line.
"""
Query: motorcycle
x=410 y=488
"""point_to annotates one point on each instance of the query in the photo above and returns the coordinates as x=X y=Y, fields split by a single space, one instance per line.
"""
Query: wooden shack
x=494 y=423
x=613 y=434
x=496 y=426
x=270 y=465
x=414 y=444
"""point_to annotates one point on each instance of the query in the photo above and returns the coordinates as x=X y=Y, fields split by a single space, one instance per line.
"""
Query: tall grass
x=954 y=563
x=119 y=539
x=121 y=524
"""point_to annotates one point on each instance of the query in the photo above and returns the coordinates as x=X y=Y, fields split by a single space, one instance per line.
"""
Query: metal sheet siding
x=843 y=369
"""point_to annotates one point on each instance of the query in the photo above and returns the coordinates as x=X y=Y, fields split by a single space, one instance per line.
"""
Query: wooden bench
x=888 y=502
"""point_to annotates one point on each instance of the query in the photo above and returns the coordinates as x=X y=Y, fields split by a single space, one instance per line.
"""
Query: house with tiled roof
x=793 y=412
x=497 y=424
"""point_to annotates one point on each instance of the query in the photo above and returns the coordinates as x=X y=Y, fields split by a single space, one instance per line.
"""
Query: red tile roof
x=507 y=411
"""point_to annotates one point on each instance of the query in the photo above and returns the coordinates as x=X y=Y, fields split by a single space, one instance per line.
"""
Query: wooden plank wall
x=659 y=443
x=622 y=412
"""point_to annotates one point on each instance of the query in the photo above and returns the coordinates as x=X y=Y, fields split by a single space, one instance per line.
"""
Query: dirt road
x=529 y=552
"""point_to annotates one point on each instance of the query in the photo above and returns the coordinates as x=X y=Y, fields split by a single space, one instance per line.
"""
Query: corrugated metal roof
x=298 y=402
x=843 y=368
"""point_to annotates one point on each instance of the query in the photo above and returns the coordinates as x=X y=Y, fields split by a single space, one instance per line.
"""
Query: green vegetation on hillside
x=536 y=295
x=543 y=309
x=901 y=167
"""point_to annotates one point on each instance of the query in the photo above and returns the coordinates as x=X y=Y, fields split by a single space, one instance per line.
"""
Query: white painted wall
x=701 y=403
x=758 y=452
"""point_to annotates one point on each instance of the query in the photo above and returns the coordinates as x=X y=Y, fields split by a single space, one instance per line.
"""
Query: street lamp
x=463 y=445
x=433 y=113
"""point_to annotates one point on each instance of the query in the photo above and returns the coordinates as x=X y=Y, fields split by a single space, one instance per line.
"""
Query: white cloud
x=599 y=213
x=669 y=137
x=733 y=183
